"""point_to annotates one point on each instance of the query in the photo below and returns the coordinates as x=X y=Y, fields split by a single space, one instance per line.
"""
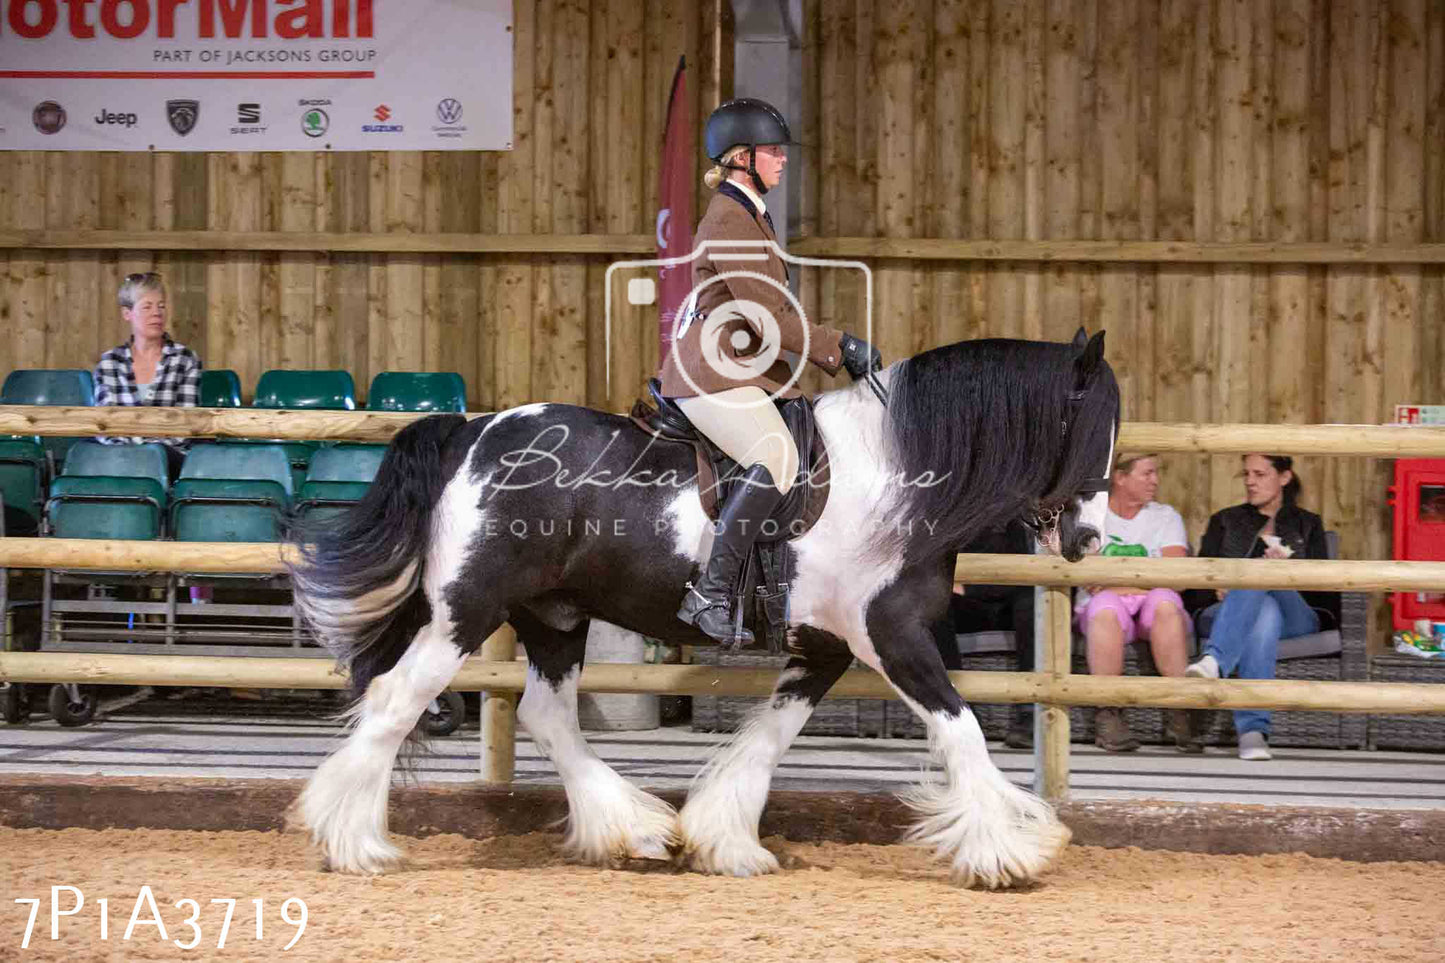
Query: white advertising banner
x=238 y=75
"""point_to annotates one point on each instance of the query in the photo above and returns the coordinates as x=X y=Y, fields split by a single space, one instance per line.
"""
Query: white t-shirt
x=1147 y=534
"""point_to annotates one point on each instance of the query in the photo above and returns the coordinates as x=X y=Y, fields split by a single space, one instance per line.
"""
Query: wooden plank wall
x=591 y=83
x=1192 y=120
x=1207 y=120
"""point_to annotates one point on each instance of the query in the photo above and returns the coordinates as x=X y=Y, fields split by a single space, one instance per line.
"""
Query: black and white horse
x=546 y=516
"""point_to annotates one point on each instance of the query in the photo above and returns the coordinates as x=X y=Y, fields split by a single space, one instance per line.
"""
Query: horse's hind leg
x=608 y=818
x=720 y=820
x=991 y=832
x=344 y=804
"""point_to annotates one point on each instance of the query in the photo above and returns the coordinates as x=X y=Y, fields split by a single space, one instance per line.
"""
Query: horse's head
x=1069 y=521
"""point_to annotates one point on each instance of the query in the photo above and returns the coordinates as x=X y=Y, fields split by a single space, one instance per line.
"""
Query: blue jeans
x=1244 y=632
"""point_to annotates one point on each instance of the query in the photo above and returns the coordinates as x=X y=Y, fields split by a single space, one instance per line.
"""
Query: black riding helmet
x=747 y=121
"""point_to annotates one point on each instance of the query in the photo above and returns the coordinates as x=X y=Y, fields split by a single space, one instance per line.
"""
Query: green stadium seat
x=417 y=391
x=279 y=388
x=220 y=388
x=48 y=386
x=71 y=387
x=23 y=469
x=337 y=478
x=231 y=493
x=303 y=390
x=109 y=491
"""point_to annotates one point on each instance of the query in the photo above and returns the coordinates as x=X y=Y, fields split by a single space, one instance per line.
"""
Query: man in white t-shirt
x=1114 y=617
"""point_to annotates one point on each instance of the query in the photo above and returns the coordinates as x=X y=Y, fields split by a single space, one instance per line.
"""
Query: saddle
x=766 y=577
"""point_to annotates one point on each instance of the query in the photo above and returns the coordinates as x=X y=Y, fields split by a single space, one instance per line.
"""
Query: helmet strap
x=752 y=170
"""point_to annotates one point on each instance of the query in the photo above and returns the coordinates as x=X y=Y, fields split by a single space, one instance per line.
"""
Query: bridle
x=1045 y=521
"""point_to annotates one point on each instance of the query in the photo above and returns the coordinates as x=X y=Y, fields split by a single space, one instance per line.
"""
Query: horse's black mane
x=989 y=414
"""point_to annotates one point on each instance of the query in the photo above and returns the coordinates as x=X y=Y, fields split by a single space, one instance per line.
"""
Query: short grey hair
x=134 y=285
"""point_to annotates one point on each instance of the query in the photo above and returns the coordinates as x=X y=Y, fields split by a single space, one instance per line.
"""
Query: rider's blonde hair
x=718 y=172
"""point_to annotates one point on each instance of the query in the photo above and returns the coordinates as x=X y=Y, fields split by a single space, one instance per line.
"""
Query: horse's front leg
x=720 y=819
x=991 y=832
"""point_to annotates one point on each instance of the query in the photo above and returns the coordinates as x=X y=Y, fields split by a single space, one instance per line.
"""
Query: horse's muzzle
x=1076 y=542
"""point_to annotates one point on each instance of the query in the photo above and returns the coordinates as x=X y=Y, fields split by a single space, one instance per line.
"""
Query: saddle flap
x=799 y=509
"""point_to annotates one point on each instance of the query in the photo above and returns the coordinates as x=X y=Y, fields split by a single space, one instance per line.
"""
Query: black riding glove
x=860 y=357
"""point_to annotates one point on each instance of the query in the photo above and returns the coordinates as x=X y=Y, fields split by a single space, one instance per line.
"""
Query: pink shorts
x=1134 y=612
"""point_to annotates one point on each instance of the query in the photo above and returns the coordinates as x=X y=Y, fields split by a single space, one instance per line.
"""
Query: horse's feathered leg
x=608 y=817
x=451 y=611
x=991 y=832
x=720 y=820
x=344 y=804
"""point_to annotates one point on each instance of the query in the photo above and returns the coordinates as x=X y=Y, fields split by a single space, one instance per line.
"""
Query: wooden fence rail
x=269 y=557
x=480 y=674
x=1380 y=441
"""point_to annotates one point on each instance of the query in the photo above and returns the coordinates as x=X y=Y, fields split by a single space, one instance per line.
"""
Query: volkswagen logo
x=449 y=111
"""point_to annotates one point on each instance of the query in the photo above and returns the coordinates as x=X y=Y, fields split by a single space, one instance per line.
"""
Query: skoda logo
x=449 y=111
x=314 y=122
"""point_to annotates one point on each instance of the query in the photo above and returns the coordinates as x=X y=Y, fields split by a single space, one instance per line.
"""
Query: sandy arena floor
x=514 y=898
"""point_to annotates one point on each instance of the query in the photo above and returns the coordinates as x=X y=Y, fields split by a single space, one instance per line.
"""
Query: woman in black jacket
x=1244 y=626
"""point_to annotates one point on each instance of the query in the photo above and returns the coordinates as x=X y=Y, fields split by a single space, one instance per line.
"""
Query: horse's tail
x=357 y=575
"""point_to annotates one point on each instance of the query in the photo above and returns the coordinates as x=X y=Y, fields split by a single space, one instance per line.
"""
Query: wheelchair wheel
x=445 y=715
x=70 y=712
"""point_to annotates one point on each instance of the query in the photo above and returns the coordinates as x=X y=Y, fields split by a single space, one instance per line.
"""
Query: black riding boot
x=708 y=605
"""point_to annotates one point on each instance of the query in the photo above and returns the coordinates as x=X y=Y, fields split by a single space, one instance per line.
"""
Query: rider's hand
x=860 y=357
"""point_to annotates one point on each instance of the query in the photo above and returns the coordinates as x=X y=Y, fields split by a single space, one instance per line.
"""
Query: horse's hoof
x=730 y=860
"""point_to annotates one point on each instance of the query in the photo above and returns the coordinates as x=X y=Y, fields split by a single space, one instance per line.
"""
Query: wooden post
x=499 y=714
x=1053 y=648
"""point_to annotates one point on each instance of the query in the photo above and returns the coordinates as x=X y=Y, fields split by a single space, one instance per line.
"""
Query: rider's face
x=771 y=159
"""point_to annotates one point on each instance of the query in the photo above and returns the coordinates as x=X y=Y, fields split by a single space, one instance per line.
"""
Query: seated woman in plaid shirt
x=150 y=368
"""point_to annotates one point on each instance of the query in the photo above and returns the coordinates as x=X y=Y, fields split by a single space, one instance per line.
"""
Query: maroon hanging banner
x=674 y=215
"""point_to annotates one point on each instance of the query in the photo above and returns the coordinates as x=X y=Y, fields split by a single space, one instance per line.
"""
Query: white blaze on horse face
x=1094 y=510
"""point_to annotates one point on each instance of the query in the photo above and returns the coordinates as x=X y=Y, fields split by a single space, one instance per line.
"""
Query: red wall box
x=1418 y=497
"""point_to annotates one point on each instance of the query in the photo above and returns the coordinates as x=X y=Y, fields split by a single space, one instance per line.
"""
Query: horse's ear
x=1087 y=363
x=1081 y=338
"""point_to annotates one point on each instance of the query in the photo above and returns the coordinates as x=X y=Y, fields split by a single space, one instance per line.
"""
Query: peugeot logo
x=183 y=115
x=449 y=111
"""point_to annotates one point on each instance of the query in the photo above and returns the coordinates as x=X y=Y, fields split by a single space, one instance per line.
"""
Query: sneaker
x=1205 y=668
x=1254 y=747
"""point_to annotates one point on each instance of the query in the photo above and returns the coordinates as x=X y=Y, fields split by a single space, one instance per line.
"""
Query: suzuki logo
x=382 y=113
x=449 y=111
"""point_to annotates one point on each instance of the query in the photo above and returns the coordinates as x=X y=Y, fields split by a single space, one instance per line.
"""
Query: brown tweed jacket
x=730 y=218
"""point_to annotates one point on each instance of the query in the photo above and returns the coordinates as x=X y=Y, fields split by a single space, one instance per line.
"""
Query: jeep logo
x=124 y=120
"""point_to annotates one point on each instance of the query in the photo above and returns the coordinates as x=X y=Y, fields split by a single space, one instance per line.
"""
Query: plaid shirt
x=177 y=384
